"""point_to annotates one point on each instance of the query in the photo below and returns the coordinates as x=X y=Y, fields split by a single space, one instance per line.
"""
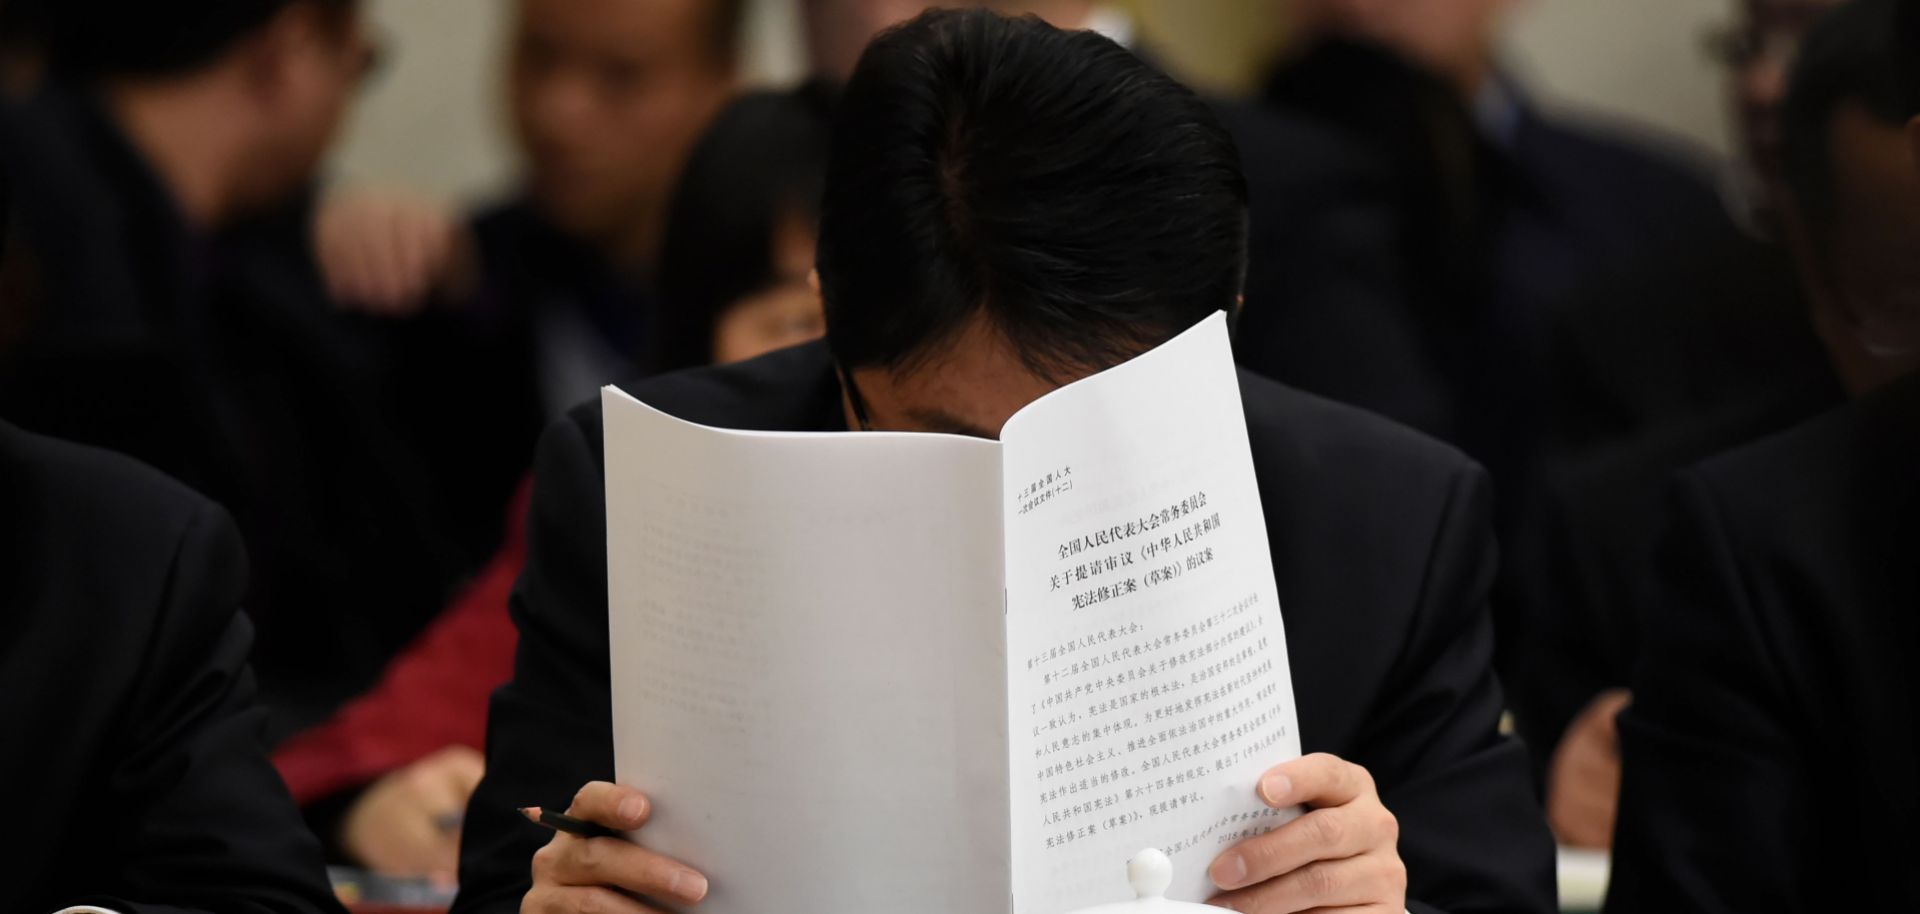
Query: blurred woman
x=385 y=780
x=740 y=233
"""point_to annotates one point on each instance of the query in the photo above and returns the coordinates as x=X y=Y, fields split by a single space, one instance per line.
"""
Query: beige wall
x=1642 y=60
x=429 y=118
x=430 y=121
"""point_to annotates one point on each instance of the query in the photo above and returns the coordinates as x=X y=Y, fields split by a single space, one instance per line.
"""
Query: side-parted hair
x=1851 y=56
x=1085 y=203
x=1908 y=43
x=95 y=39
x=758 y=164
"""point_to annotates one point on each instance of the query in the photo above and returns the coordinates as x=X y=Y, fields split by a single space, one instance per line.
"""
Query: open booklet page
x=1148 y=678
x=808 y=661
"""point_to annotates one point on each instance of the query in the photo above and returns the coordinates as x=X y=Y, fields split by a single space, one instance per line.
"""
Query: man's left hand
x=1343 y=853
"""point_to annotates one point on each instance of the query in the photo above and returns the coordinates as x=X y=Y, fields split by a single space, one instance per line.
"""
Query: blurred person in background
x=158 y=305
x=1572 y=287
x=500 y=321
x=384 y=781
x=145 y=772
x=1712 y=327
x=1508 y=214
x=1583 y=566
x=1770 y=749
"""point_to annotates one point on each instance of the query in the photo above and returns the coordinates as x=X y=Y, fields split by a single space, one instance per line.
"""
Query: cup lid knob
x=1150 y=872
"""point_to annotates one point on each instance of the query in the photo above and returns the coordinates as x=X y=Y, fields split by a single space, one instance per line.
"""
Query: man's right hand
x=1583 y=782
x=386 y=252
x=601 y=875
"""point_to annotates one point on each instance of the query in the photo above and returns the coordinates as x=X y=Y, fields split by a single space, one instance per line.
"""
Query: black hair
x=762 y=160
x=1908 y=44
x=98 y=39
x=1085 y=203
x=1851 y=55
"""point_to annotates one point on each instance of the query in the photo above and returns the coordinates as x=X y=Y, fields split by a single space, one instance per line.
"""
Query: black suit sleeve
x=1710 y=804
x=1471 y=834
x=1567 y=631
x=550 y=729
x=207 y=823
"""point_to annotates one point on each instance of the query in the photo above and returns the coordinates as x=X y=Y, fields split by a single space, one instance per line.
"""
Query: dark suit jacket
x=1383 y=557
x=218 y=359
x=479 y=378
x=1327 y=290
x=134 y=759
x=1582 y=568
x=1496 y=228
x=1770 y=752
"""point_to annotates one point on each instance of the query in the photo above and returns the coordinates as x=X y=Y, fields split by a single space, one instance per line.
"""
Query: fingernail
x=689 y=885
x=1229 y=871
x=1274 y=789
x=632 y=808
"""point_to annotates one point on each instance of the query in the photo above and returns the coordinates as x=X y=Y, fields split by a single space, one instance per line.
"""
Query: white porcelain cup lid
x=1150 y=872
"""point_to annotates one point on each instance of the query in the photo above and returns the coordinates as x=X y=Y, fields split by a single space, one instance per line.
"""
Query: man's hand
x=386 y=252
x=601 y=875
x=407 y=823
x=1583 y=782
x=1341 y=854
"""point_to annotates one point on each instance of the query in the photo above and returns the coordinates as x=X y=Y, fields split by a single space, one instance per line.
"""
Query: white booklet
x=883 y=672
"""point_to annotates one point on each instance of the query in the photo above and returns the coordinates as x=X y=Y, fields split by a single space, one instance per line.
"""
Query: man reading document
x=1011 y=208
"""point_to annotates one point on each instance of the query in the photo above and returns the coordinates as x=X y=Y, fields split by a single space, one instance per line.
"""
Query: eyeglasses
x=854 y=399
x=371 y=59
x=1775 y=38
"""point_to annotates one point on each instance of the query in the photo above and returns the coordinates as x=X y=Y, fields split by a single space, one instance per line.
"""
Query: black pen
x=560 y=821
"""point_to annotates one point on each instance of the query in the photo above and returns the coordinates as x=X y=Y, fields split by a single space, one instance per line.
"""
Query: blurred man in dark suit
x=1716 y=325
x=160 y=304
x=1505 y=214
x=503 y=318
x=1582 y=562
x=964 y=273
x=1770 y=749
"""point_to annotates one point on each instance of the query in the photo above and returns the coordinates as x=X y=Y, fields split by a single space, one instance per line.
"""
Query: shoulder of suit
x=779 y=391
x=61 y=483
x=1286 y=422
x=1879 y=420
x=1857 y=457
x=1630 y=157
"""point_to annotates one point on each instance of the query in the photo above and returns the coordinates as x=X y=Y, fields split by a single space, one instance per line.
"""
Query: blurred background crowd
x=339 y=280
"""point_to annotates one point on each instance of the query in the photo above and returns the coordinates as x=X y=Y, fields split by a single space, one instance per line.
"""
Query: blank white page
x=808 y=661
x=1148 y=680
